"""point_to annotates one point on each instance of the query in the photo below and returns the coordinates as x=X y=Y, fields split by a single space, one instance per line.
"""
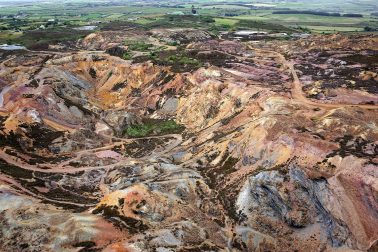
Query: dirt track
x=296 y=88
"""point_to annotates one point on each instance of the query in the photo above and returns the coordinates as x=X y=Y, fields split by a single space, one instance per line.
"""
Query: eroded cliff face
x=99 y=153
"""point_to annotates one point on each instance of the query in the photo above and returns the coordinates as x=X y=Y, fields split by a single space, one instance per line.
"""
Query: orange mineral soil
x=274 y=147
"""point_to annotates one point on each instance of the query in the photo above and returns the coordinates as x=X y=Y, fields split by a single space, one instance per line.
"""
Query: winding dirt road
x=296 y=88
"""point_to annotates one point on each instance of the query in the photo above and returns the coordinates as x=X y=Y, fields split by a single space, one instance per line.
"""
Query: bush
x=368 y=29
x=127 y=56
x=207 y=19
x=110 y=74
x=174 y=43
x=353 y=15
x=92 y=73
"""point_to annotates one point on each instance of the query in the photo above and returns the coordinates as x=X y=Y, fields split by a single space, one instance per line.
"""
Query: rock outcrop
x=263 y=148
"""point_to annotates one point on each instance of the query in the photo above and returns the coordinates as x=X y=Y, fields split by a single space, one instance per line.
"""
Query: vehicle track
x=296 y=87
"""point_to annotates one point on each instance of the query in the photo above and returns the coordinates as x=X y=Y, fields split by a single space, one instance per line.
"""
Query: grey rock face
x=119 y=120
x=292 y=198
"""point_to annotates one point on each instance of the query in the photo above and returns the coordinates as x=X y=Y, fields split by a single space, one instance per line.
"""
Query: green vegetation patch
x=40 y=39
x=127 y=56
x=179 y=60
x=154 y=127
x=225 y=21
x=247 y=24
x=139 y=46
x=181 y=21
x=118 y=26
x=184 y=60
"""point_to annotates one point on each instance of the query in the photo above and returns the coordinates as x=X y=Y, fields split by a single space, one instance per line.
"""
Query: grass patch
x=181 y=21
x=251 y=24
x=226 y=6
x=183 y=60
x=147 y=20
x=225 y=21
x=153 y=127
x=334 y=29
x=139 y=46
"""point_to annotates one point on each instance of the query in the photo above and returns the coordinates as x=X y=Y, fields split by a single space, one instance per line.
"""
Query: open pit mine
x=238 y=146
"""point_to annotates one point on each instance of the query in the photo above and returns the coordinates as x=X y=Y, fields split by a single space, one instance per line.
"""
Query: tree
x=194 y=11
x=368 y=29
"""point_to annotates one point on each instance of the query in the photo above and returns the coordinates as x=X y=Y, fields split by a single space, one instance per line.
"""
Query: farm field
x=34 y=15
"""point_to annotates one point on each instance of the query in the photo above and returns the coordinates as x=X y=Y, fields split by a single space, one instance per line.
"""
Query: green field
x=225 y=6
x=18 y=20
x=226 y=21
x=313 y=22
x=329 y=29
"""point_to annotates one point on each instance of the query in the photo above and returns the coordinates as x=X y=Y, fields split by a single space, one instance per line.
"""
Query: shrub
x=368 y=29
x=127 y=56
x=92 y=73
x=174 y=43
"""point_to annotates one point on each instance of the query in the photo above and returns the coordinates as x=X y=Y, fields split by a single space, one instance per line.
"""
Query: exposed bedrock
x=243 y=152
